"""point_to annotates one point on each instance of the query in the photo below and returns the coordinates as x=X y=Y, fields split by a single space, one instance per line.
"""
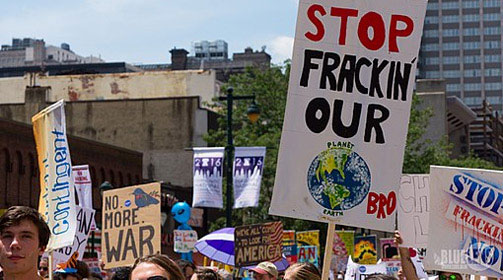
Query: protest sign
x=289 y=246
x=347 y=111
x=57 y=192
x=83 y=185
x=356 y=271
x=256 y=243
x=414 y=209
x=365 y=249
x=247 y=170
x=184 y=240
x=389 y=249
x=308 y=254
x=309 y=237
x=196 y=217
x=343 y=247
x=208 y=166
x=465 y=226
x=131 y=224
x=85 y=219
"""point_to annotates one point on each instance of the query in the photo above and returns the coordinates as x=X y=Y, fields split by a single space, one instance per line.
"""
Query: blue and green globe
x=338 y=178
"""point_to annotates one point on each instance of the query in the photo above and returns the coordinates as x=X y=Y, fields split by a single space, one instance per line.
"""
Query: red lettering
x=320 y=29
x=394 y=32
x=381 y=204
x=375 y=21
x=343 y=13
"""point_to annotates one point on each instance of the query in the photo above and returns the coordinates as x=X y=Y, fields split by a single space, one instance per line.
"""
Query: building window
x=491 y=3
x=453 y=87
x=432 y=6
x=451 y=74
x=471 y=31
x=431 y=33
x=450 y=46
x=471 y=18
x=492 y=86
x=492 y=16
x=471 y=59
x=492 y=72
x=451 y=59
x=432 y=74
x=450 y=19
x=450 y=5
x=473 y=100
x=431 y=19
x=432 y=60
x=491 y=44
x=470 y=4
x=492 y=58
x=431 y=47
x=493 y=100
x=472 y=86
x=495 y=30
x=471 y=45
x=450 y=32
x=472 y=73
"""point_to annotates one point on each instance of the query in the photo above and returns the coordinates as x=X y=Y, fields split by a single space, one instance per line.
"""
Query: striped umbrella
x=218 y=246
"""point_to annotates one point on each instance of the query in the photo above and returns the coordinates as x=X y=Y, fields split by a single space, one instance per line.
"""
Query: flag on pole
x=208 y=167
x=57 y=193
x=247 y=169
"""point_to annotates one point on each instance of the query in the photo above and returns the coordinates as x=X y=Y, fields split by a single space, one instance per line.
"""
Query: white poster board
x=184 y=240
x=465 y=227
x=347 y=111
x=414 y=209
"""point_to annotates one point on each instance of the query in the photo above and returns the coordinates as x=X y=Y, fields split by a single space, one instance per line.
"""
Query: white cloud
x=281 y=48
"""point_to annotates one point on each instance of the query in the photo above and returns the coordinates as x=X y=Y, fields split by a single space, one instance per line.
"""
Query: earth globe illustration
x=338 y=178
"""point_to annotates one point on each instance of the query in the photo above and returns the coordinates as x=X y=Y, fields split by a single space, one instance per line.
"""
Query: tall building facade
x=462 y=43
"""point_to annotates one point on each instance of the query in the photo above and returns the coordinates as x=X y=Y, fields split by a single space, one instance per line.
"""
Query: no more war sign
x=347 y=112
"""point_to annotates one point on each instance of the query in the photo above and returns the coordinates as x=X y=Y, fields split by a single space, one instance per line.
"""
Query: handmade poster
x=57 y=192
x=85 y=220
x=357 y=271
x=414 y=209
x=389 y=249
x=131 y=224
x=247 y=175
x=208 y=167
x=289 y=246
x=465 y=226
x=343 y=247
x=347 y=112
x=83 y=185
x=308 y=254
x=365 y=249
x=257 y=243
x=184 y=240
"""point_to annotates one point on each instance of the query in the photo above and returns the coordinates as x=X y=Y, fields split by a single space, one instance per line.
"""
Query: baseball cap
x=266 y=267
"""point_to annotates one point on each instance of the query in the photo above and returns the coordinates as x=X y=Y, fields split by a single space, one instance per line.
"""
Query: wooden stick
x=328 y=251
x=50 y=265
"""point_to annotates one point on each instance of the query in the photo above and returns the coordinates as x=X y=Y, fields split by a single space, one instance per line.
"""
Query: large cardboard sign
x=414 y=209
x=365 y=249
x=308 y=254
x=347 y=111
x=256 y=243
x=57 y=191
x=342 y=248
x=131 y=224
x=466 y=221
x=85 y=221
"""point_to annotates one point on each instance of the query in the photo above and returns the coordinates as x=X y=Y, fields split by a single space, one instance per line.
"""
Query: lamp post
x=253 y=113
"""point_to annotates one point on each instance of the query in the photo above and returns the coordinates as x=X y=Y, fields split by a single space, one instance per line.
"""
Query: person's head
x=444 y=275
x=302 y=271
x=82 y=269
x=23 y=238
x=122 y=273
x=265 y=271
x=380 y=276
x=187 y=268
x=66 y=276
x=43 y=267
x=159 y=266
x=204 y=274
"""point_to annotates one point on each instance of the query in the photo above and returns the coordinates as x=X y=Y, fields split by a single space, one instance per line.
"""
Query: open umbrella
x=218 y=246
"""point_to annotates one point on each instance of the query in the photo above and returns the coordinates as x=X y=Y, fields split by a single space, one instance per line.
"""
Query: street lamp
x=253 y=113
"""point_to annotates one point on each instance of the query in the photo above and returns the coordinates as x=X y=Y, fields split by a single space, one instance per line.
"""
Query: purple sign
x=208 y=166
x=247 y=165
x=208 y=177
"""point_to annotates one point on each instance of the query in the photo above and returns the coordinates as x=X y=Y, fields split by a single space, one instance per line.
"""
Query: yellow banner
x=57 y=193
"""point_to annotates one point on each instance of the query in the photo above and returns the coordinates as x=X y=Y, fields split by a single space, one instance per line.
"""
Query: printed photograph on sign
x=347 y=111
x=131 y=224
x=465 y=226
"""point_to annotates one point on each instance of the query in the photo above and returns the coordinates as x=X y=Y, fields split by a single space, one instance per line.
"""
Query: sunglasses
x=157 y=277
x=445 y=277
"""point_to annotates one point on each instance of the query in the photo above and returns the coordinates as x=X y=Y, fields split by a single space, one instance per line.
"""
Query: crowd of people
x=24 y=236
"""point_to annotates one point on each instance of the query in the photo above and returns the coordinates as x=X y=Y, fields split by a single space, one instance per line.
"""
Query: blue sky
x=143 y=31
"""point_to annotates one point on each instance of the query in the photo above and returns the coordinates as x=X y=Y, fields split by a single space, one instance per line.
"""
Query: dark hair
x=206 y=274
x=183 y=264
x=380 y=276
x=16 y=214
x=164 y=262
x=122 y=273
x=82 y=269
x=304 y=271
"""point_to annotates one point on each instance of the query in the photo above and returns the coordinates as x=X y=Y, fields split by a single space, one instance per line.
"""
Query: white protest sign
x=414 y=209
x=85 y=218
x=184 y=240
x=347 y=111
x=465 y=227
x=83 y=185
x=247 y=170
x=57 y=192
x=208 y=167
